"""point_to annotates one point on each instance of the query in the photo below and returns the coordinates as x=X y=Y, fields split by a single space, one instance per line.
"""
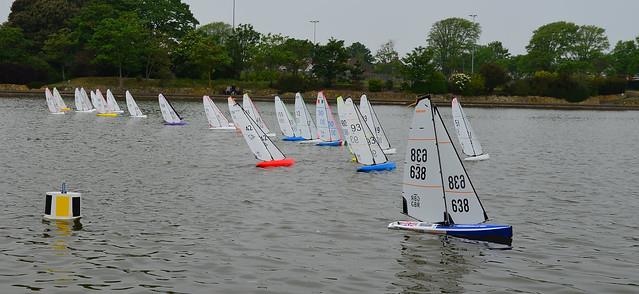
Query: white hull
x=477 y=158
x=85 y=111
x=139 y=116
x=57 y=112
x=314 y=141
x=390 y=151
x=271 y=134
x=229 y=128
x=118 y=111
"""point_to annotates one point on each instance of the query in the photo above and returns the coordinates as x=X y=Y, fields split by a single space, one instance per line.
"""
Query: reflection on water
x=184 y=209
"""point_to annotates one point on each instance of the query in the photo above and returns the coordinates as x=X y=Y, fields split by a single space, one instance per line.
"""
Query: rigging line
x=359 y=115
x=260 y=137
x=447 y=217
x=380 y=124
x=464 y=168
x=463 y=115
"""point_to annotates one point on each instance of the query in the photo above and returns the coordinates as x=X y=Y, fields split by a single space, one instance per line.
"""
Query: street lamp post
x=233 y=14
x=314 y=29
x=472 y=58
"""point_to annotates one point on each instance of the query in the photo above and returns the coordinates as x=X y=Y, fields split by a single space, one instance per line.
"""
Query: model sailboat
x=436 y=188
x=217 y=120
x=286 y=122
x=170 y=116
x=112 y=105
x=257 y=140
x=101 y=104
x=467 y=138
x=362 y=141
x=329 y=131
x=133 y=108
x=304 y=121
x=250 y=108
x=371 y=119
x=51 y=104
x=57 y=99
x=344 y=125
x=82 y=103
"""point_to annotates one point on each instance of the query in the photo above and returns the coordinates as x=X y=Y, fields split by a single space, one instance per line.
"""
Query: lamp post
x=314 y=29
x=234 y=14
x=472 y=58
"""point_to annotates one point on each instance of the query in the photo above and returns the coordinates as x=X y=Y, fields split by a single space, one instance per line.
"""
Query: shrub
x=294 y=83
x=458 y=82
x=375 y=85
x=389 y=85
x=609 y=85
x=476 y=86
x=494 y=76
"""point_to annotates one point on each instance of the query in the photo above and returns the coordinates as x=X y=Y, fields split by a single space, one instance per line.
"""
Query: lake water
x=184 y=210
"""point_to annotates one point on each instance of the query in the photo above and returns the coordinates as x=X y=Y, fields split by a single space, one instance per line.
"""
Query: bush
x=519 y=88
x=438 y=83
x=294 y=83
x=375 y=85
x=494 y=76
x=389 y=85
x=458 y=82
x=476 y=86
x=609 y=85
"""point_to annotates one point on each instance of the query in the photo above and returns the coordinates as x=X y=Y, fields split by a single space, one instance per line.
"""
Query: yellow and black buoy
x=62 y=205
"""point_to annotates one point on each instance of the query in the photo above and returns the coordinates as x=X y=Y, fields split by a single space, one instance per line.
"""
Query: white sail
x=284 y=119
x=360 y=138
x=467 y=138
x=53 y=107
x=435 y=181
x=112 y=105
x=86 y=104
x=304 y=121
x=340 y=114
x=133 y=108
x=57 y=99
x=250 y=108
x=78 y=100
x=326 y=125
x=168 y=113
x=213 y=114
x=371 y=119
x=99 y=103
x=258 y=141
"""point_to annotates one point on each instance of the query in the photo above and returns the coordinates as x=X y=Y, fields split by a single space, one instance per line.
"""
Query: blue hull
x=182 y=123
x=485 y=232
x=331 y=143
x=285 y=138
x=377 y=167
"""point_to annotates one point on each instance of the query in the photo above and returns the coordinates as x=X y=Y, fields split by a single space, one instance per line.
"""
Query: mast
x=447 y=219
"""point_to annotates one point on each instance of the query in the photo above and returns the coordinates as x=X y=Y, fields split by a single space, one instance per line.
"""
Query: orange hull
x=276 y=163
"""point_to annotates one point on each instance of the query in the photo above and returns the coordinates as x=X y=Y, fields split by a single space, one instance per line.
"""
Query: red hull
x=276 y=163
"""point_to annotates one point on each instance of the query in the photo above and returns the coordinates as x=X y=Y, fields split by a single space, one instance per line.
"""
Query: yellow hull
x=66 y=109
x=107 y=114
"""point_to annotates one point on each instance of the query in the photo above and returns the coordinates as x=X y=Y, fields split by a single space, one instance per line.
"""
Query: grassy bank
x=194 y=89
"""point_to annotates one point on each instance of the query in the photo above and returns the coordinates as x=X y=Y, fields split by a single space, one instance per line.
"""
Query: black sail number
x=417 y=172
x=456 y=182
x=418 y=155
x=460 y=205
x=356 y=127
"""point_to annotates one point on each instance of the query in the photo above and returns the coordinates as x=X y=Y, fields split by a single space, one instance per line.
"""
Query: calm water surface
x=184 y=210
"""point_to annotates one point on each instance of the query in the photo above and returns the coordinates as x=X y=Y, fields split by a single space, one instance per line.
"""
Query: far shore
x=629 y=101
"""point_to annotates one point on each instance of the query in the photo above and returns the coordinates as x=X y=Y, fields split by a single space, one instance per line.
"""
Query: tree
x=359 y=52
x=242 y=45
x=40 y=18
x=299 y=54
x=59 y=49
x=418 y=68
x=13 y=44
x=220 y=31
x=329 y=61
x=493 y=52
x=170 y=18
x=119 y=42
x=208 y=55
x=270 y=54
x=156 y=56
x=449 y=39
x=387 y=60
x=625 y=58
x=17 y=64
x=494 y=75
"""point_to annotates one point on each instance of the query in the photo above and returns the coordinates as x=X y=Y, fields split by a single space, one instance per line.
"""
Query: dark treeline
x=51 y=40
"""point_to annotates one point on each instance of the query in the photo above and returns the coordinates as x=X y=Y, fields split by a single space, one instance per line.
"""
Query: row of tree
x=48 y=40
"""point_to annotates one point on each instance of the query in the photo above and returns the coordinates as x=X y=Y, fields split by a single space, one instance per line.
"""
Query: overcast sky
x=373 y=22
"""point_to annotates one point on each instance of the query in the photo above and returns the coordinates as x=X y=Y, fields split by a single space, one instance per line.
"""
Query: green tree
x=119 y=42
x=493 y=52
x=494 y=75
x=220 y=31
x=17 y=64
x=208 y=56
x=40 y=18
x=60 y=49
x=242 y=46
x=299 y=54
x=270 y=55
x=170 y=18
x=625 y=58
x=387 y=60
x=449 y=39
x=13 y=44
x=418 y=69
x=359 y=52
x=156 y=56
x=329 y=61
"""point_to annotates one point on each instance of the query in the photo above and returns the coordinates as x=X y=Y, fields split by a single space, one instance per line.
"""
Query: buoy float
x=62 y=205
x=276 y=163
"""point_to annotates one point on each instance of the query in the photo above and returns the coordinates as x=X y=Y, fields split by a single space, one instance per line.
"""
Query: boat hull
x=85 y=111
x=495 y=233
x=229 y=128
x=331 y=143
x=390 y=151
x=182 y=123
x=377 y=167
x=477 y=158
x=312 y=141
x=139 y=116
x=271 y=134
x=276 y=163
x=286 y=138
x=107 y=114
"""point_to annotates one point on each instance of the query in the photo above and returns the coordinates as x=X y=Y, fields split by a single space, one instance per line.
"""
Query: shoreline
x=439 y=100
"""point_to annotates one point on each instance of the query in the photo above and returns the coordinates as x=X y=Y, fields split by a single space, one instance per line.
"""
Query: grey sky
x=407 y=22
